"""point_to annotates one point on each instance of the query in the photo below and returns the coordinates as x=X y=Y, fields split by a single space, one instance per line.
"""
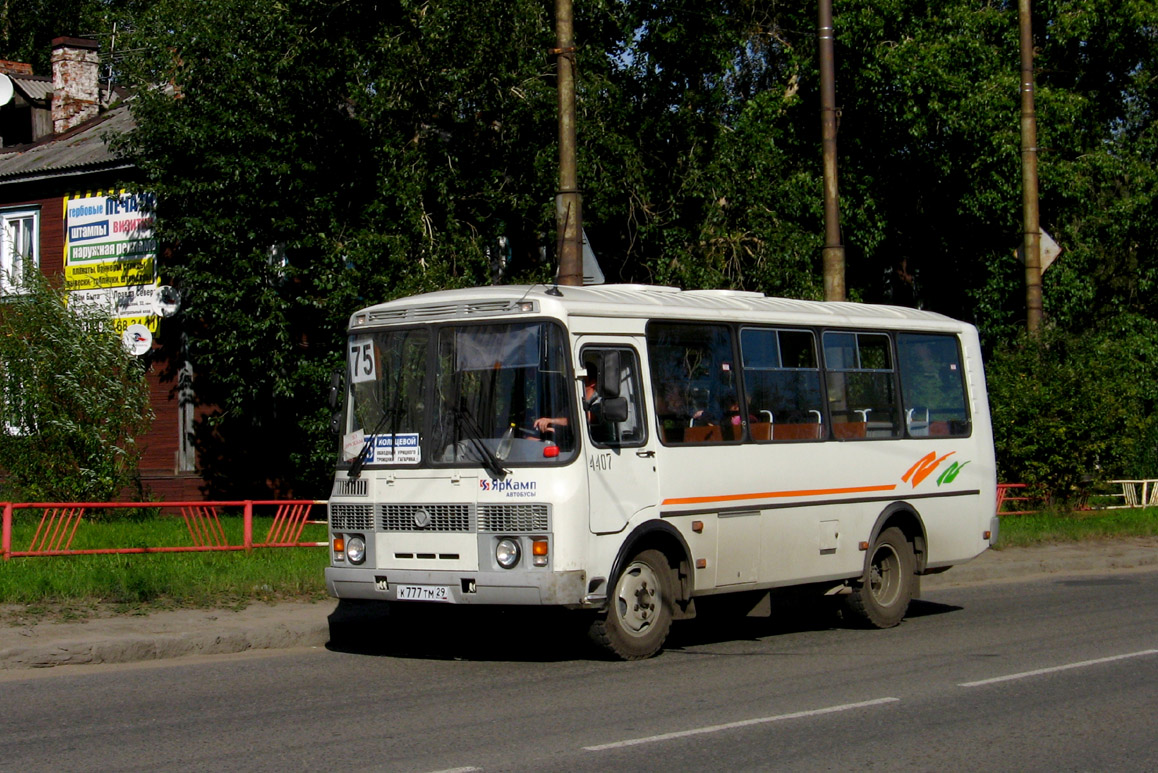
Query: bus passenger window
x=782 y=382
x=862 y=393
x=694 y=383
x=932 y=385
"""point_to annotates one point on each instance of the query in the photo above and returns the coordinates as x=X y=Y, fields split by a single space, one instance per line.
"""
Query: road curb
x=165 y=635
x=1012 y=564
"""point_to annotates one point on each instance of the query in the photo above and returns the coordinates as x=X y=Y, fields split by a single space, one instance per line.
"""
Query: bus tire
x=881 y=597
x=639 y=612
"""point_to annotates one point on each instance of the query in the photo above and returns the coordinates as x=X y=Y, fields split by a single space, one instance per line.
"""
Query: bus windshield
x=490 y=383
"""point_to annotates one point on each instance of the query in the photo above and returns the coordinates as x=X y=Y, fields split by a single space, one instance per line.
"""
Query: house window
x=19 y=248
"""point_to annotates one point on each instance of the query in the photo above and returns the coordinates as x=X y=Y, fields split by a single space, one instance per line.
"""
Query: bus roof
x=644 y=301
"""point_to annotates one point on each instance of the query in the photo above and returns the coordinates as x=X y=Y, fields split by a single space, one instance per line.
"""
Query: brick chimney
x=15 y=68
x=75 y=70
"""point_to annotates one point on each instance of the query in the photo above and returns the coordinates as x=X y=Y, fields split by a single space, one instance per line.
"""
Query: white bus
x=628 y=450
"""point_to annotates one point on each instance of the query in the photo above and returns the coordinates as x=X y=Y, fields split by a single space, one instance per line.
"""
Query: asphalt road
x=1055 y=674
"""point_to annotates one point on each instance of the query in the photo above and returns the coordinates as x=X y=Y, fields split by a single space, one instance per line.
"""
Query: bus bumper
x=563 y=589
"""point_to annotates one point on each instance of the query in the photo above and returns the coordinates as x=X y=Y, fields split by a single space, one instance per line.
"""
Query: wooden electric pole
x=568 y=201
x=833 y=248
x=1031 y=224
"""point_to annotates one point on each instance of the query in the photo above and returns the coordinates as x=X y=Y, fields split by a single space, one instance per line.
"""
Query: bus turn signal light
x=539 y=552
x=340 y=545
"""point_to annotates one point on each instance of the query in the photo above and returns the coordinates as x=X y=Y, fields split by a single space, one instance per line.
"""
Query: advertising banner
x=110 y=255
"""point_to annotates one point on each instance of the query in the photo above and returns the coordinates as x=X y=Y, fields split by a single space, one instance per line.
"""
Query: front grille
x=511 y=518
x=425 y=517
x=350 y=488
x=359 y=517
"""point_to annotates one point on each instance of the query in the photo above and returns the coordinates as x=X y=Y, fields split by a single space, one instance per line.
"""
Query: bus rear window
x=933 y=385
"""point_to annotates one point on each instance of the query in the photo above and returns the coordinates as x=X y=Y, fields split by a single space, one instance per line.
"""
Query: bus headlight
x=356 y=549
x=507 y=553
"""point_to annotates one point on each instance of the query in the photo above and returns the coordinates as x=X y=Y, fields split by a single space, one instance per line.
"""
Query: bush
x=73 y=402
x=1071 y=408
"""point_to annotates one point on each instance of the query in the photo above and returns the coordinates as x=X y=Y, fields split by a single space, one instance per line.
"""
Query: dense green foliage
x=28 y=27
x=1068 y=409
x=315 y=156
x=74 y=401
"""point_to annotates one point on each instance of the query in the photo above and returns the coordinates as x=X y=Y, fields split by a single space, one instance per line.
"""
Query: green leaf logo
x=948 y=475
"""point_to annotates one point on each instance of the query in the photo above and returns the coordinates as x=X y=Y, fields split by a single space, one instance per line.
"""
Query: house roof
x=35 y=88
x=79 y=151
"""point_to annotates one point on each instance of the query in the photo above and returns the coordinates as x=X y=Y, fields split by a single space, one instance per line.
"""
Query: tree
x=311 y=157
x=1061 y=417
x=697 y=170
x=316 y=157
x=28 y=27
x=74 y=401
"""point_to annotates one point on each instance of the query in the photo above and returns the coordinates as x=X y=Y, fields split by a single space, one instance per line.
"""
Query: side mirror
x=336 y=379
x=610 y=409
x=337 y=384
x=609 y=371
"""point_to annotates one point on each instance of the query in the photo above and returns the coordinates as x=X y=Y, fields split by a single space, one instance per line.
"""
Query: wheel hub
x=638 y=598
x=884 y=575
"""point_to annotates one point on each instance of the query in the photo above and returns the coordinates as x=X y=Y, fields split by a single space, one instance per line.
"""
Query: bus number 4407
x=599 y=462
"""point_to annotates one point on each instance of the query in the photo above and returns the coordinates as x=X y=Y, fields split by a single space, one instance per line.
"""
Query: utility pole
x=833 y=248
x=568 y=201
x=1031 y=225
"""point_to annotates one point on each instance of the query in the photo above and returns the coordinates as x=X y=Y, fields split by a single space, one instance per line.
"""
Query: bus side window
x=694 y=382
x=862 y=392
x=782 y=382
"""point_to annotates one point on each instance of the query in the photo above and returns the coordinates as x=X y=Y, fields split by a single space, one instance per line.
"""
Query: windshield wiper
x=360 y=459
x=492 y=463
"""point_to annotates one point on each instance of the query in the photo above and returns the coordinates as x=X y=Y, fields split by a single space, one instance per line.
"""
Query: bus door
x=619 y=451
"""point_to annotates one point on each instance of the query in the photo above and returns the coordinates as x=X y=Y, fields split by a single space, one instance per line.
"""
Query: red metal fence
x=1012 y=493
x=60 y=522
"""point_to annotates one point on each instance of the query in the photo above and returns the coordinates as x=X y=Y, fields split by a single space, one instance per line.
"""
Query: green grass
x=1055 y=525
x=70 y=585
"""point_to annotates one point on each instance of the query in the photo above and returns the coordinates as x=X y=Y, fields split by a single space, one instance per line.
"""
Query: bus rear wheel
x=639 y=612
x=881 y=597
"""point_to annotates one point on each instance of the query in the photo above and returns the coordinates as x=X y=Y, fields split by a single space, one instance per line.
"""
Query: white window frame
x=15 y=256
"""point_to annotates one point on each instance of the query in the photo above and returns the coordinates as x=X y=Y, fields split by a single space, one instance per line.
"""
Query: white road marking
x=741 y=723
x=1054 y=669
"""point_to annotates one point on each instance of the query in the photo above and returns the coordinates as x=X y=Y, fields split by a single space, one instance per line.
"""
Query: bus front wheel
x=881 y=597
x=639 y=612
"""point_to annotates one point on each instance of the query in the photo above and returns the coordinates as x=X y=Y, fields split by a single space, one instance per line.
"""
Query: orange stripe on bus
x=777 y=495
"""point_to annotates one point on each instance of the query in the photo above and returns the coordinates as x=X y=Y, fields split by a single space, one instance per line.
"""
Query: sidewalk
x=126 y=639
